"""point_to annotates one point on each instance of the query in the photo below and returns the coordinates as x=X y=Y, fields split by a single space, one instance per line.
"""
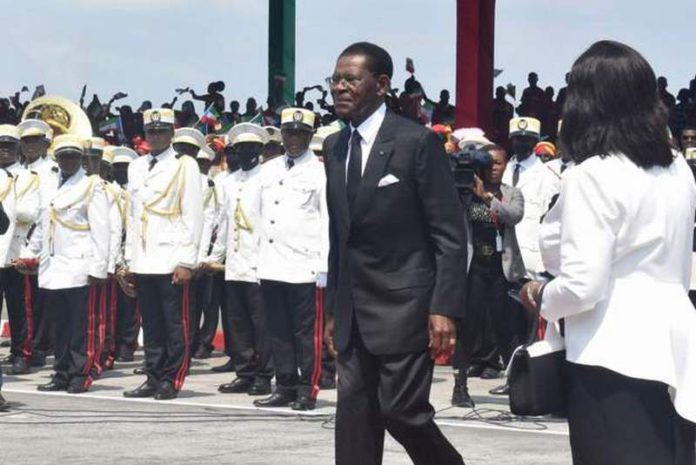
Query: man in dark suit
x=397 y=267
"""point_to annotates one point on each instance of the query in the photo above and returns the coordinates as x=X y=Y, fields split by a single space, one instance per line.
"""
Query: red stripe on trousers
x=113 y=304
x=318 y=340
x=90 y=331
x=101 y=335
x=29 y=317
x=183 y=370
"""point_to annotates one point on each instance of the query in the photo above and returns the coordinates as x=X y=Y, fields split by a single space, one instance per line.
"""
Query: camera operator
x=487 y=331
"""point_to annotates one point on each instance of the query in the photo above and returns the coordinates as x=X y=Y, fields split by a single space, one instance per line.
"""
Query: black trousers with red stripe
x=12 y=288
x=295 y=325
x=165 y=312
x=44 y=328
x=205 y=306
x=73 y=311
x=127 y=322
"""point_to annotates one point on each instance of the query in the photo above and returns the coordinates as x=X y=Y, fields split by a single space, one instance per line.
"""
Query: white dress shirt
x=368 y=130
x=239 y=232
x=73 y=244
x=295 y=222
x=166 y=217
x=624 y=243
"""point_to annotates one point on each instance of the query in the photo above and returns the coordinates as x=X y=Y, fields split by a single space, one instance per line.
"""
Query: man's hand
x=181 y=275
x=328 y=336
x=91 y=280
x=479 y=190
x=529 y=295
x=443 y=335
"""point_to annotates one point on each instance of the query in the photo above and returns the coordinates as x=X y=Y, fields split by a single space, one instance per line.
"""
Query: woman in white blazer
x=623 y=251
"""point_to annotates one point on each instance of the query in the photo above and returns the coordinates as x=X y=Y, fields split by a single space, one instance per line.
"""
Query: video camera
x=467 y=162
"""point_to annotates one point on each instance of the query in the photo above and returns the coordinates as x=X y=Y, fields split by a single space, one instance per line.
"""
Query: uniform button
x=272 y=221
x=236 y=250
x=270 y=241
x=280 y=182
x=277 y=202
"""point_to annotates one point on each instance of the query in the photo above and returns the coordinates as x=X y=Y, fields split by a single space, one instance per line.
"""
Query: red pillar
x=475 y=48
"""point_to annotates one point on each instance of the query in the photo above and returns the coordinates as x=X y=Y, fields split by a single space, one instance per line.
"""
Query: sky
x=148 y=48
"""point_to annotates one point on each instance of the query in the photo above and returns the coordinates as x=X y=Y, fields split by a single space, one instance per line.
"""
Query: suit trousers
x=378 y=392
x=295 y=324
x=74 y=313
x=165 y=313
x=12 y=287
x=488 y=329
x=127 y=322
x=219 y=289
x=251 y=344
x=617 y=420
x=205 y=304
x=44 y=330
x=106 y=315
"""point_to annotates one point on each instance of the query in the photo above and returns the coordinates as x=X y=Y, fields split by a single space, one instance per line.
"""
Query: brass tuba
x=63 y=115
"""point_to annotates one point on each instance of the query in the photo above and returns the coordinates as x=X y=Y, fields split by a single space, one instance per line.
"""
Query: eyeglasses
x=348 y=80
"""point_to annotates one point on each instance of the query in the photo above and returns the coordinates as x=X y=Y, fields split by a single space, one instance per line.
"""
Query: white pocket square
x=388 y=180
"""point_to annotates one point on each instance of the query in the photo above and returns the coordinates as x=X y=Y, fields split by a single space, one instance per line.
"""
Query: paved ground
x=207 y=427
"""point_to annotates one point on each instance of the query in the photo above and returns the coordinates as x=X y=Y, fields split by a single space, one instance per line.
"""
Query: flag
x=425 y=112
x=258 y=119
x=410 y=67
x=511 y=91
x=210 y=117
x=111 y=124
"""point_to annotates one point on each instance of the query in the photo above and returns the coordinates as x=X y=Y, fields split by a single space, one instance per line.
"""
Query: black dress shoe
x=226 y=368
x=238 y=386
x=76 y=389
x=147 y=389
x=38 y=360
x=139 y=371
x=202 y=353
x=260 y=388
x=166 y=391
x=278 y=399
x=490 y=373
x=303 y=403
x=19 y=367
x=502 y=390
x=5 y=344
x=4 y=405
x=327 y=383
x=474 y=371
x=461 y=397
x=53 y=386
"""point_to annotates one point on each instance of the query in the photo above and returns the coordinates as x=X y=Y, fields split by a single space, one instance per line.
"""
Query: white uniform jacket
x=19 y=195
x=165 y=215
x=295 y=220
x=47 y=170
x=240 y=223
x=73 y=241
x=624 y=270
x=210 y=216
x=531 y=183
x=113 y=194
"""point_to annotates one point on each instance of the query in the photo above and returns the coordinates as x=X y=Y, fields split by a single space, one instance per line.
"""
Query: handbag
x=536 y=374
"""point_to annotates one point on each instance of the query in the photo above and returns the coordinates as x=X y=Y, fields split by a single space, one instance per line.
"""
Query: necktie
x=516 y=175
x=62 y=180
x=564 y=165
x=354 y=168
x=153 y=162
x=291 y=163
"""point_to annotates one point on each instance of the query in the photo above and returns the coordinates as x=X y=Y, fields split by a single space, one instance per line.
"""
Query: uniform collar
x=167 y=154
x=528 y=162
x=369 y=128
x=299 y=160
x=14 y=167
x=36 y=163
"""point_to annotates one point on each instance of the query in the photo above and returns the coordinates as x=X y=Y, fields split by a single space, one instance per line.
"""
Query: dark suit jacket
x=402 y=256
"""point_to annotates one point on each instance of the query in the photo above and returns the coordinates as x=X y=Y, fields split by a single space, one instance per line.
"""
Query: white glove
x=321 y=280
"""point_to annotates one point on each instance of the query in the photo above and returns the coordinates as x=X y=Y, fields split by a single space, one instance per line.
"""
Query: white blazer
x=211 y=208
x=72 y=242
x=624 y=243
x=19 y=195
x=165 y=217
x=239 y=232
x=295 y=220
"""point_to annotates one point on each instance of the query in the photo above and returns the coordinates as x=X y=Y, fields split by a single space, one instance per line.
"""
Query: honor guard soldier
x=163 y=237
x=35 y=138
x=237 y=245
x=72 y=247
x=19 y=196
x=274 y=145
x=293 y=262
x=127 y=318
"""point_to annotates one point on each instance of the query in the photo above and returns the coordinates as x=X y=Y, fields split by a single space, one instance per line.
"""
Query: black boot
x=19 y=367
x=460 y=392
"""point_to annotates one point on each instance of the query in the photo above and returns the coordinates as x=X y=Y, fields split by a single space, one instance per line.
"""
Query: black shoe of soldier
x=38 y=360
x=139 y=371
x=502 y=390
x=19 y=367
x=147 y=389
x=166 y=391
x=261 y=387
x=490 y=373
x=5 y=344
x=226 y=368
x=303 y=403
x=4 y=405
x=202 y=353
x=461 y=397
x=238 y=386
x=76 y=388
x=276 y=400
x=327 y=383
x=54 y=386
x=474 y=371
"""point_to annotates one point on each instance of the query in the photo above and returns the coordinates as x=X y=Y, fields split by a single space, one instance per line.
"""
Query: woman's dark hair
x=612 y=106
x=378 y=60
